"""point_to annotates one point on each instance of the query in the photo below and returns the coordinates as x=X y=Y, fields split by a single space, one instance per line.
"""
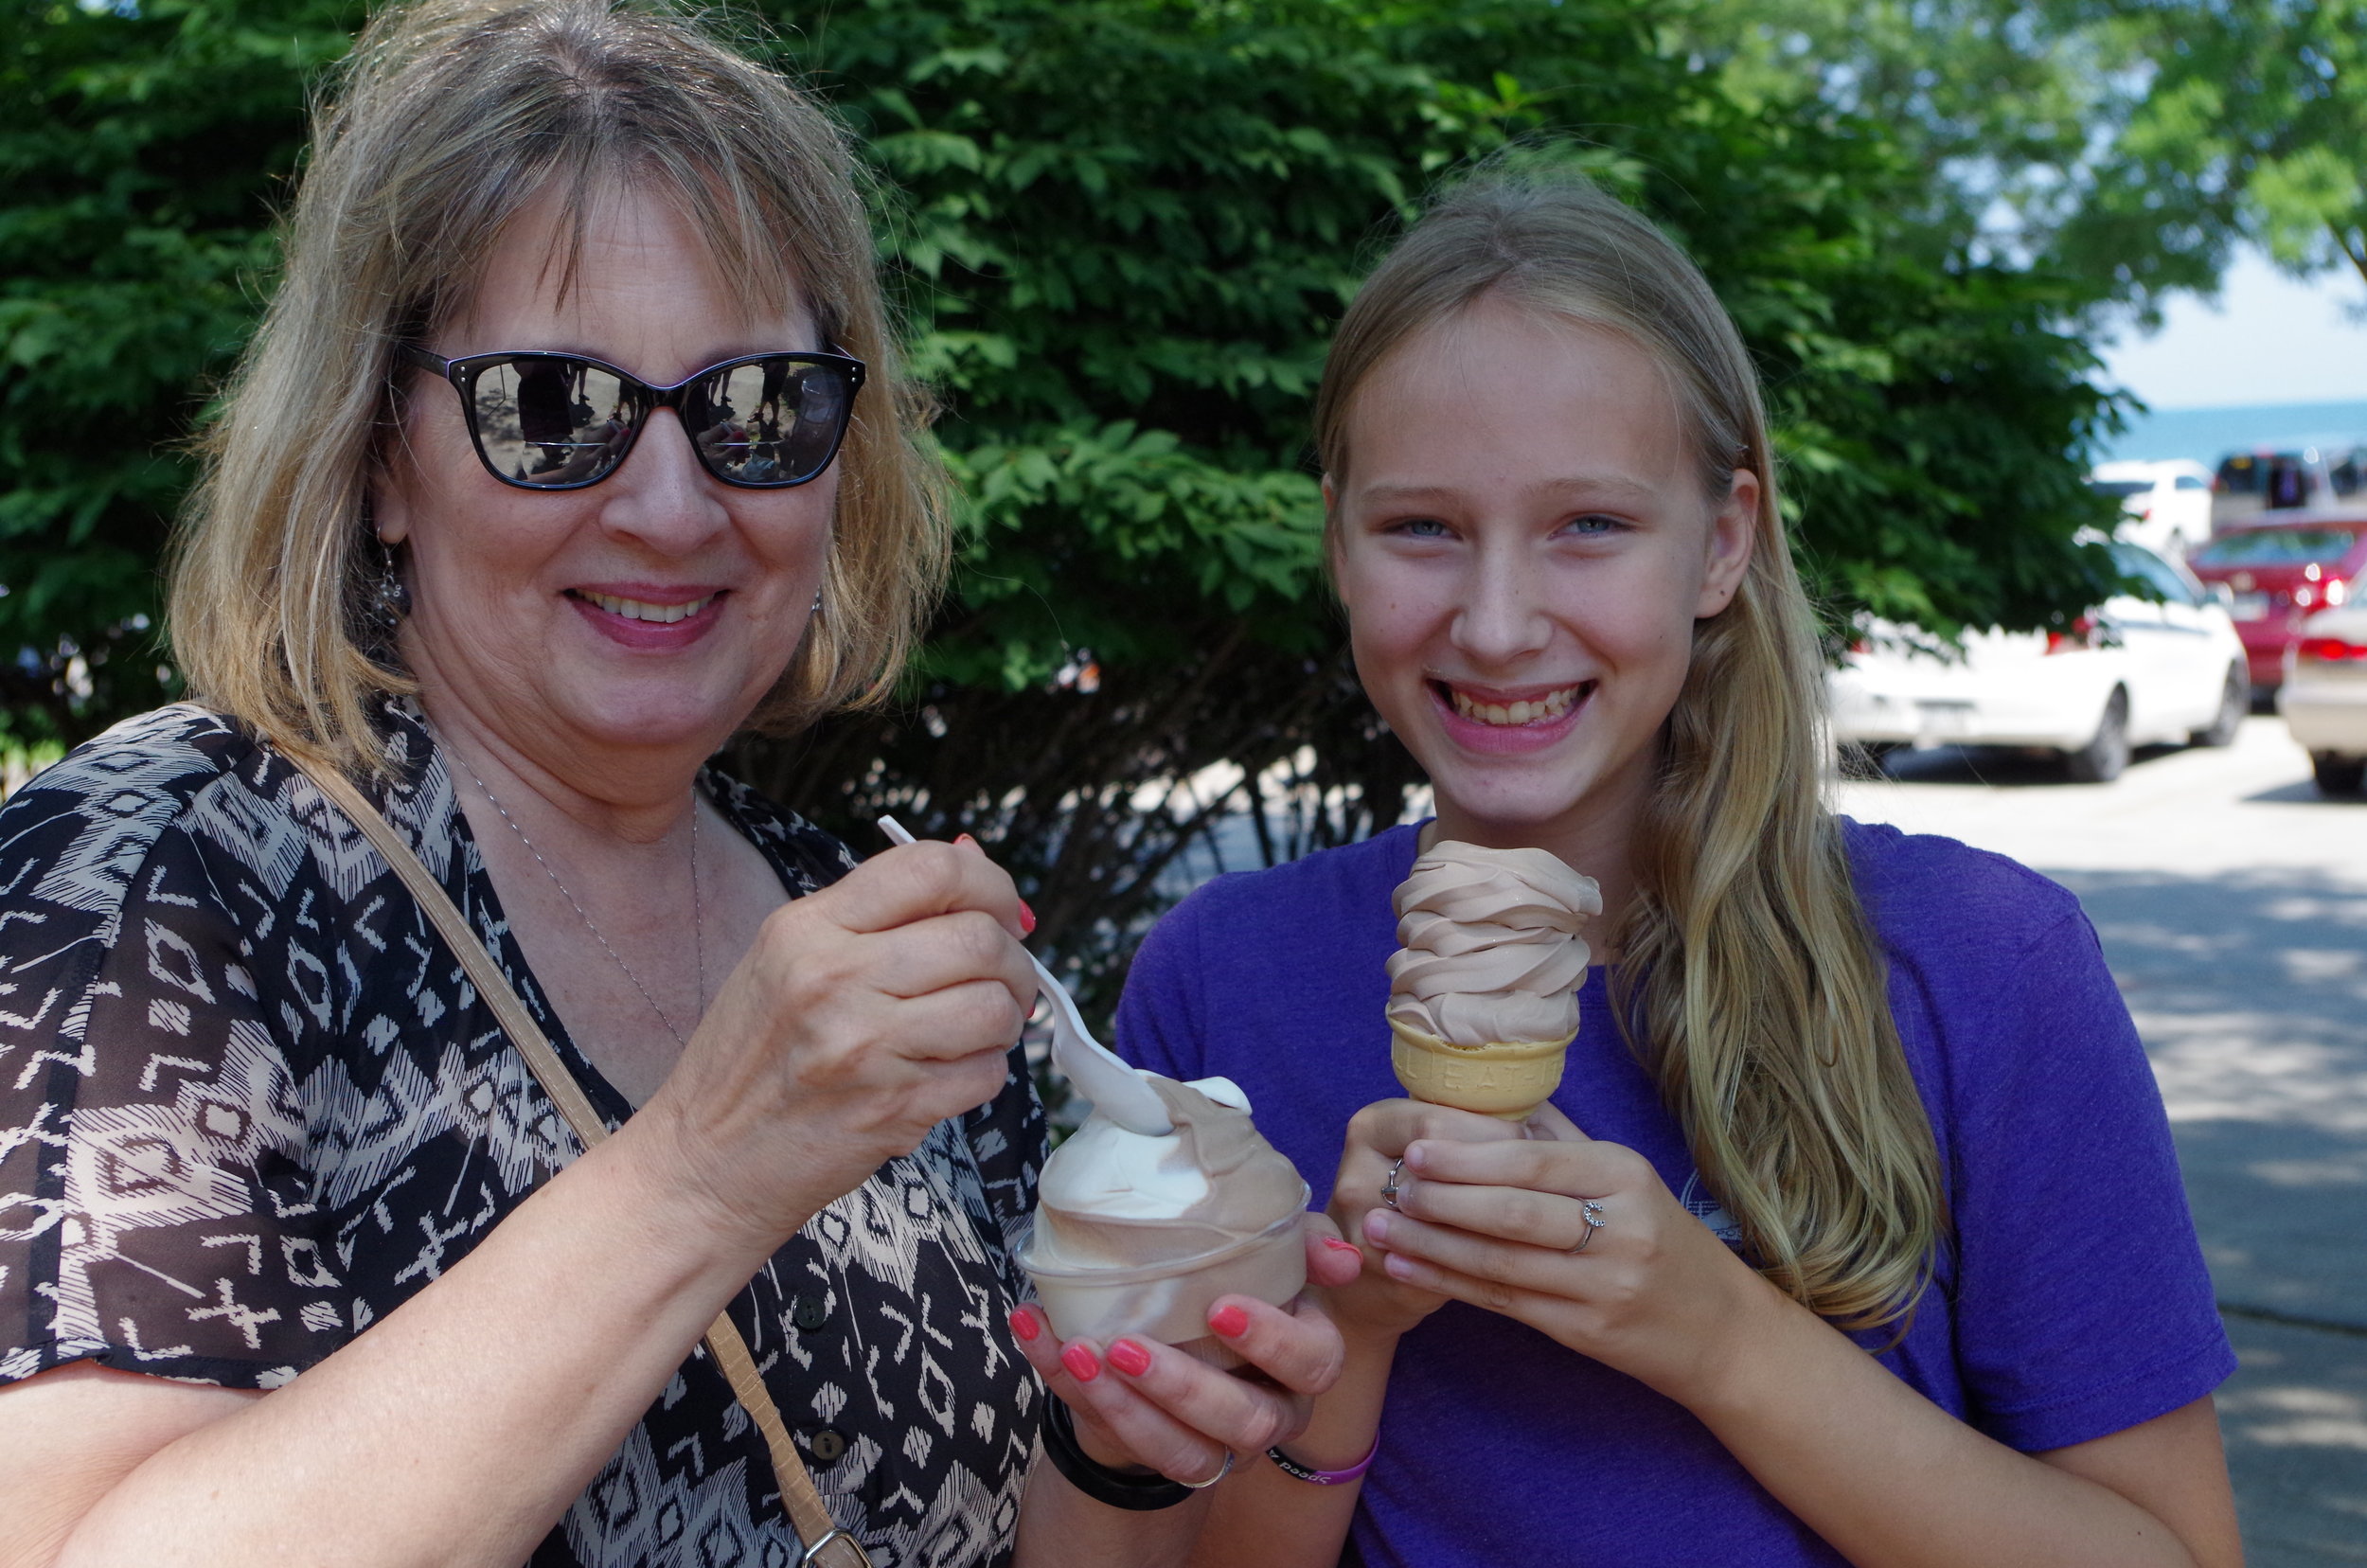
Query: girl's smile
x=1508 y=721
x=1523 y=543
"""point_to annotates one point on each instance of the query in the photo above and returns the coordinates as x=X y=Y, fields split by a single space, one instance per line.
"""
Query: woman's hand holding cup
x=1155 y=1406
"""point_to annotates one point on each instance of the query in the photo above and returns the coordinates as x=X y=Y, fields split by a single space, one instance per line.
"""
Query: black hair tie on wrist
x=1138 y=1493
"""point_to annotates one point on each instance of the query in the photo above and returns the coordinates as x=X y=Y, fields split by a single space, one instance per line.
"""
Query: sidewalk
x=2295 y=1419
x=2232 y=906
x=2250 y=993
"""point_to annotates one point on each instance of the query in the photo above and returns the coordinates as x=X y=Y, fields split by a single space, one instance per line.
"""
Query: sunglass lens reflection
x=552 y=422
x=769 y=423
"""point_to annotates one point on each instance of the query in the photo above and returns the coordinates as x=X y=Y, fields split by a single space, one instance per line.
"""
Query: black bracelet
x=1139 y=1493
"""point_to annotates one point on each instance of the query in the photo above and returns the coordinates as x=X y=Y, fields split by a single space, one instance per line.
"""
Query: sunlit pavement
x=2232 y=904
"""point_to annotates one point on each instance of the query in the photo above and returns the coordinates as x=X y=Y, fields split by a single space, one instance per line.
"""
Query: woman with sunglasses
x=570 y=446
x=1853 y=1232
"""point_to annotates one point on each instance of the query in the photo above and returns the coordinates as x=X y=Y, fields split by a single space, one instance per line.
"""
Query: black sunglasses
x=560 y=421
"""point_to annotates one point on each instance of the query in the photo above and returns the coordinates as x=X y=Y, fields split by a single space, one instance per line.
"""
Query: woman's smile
x=640 y=616
x=650 y=610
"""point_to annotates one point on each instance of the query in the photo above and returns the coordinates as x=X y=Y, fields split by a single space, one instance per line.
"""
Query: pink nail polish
x=1229 y=1320
x=1023 y=1325
x=966 y=839
x=1081 y=1364
x=1027 y=917
x=1337 y=1245
x=1130 y=1358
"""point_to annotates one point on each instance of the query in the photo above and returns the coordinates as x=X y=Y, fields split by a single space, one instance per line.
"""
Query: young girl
x=1894 y=1265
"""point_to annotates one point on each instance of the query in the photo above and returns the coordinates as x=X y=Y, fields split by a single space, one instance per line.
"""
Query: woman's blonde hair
x=1748 y=975
x=450 y=117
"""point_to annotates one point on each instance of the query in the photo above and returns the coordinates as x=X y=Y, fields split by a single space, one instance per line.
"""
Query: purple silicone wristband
x=1290 y=1466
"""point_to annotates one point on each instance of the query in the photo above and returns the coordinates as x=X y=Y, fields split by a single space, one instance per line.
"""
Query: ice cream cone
x=1483 y=987
x=1509 y=1078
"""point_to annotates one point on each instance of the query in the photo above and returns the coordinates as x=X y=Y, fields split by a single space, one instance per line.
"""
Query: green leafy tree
x=2252 y=125
x=1121 y=230
x=140 y=152
x=1997 y=98
x=2134 y=143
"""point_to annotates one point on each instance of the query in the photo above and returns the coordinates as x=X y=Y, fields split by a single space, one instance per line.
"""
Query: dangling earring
x=390 y=597
x=817 y=602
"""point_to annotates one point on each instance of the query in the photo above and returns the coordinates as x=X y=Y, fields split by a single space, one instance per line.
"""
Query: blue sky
x=2268 y=339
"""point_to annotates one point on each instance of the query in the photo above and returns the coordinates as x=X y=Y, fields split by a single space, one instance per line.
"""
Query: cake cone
x=1509 y=1078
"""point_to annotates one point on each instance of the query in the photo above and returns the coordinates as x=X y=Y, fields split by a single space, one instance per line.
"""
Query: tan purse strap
x=824 y=1541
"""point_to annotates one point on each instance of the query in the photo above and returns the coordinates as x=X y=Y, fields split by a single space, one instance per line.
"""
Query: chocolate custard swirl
x=1490 y=947
x=1113 y=1199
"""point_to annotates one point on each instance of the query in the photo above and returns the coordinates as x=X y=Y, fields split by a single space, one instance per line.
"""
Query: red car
x=2278 y=573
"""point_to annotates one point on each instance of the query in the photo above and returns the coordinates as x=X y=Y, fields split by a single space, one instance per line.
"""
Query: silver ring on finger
x=1222 y=1473
x=1592 y=1212
x=1389 y=1187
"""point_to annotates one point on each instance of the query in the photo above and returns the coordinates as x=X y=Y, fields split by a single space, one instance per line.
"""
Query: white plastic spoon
x=1120 y=1092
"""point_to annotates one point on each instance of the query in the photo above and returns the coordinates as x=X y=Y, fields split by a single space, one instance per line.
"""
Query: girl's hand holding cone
x=1374 y=1301
x=1495 y=1223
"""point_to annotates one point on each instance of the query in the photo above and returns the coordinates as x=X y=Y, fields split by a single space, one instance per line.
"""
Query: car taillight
x=2077 y=637
x=2329 y=649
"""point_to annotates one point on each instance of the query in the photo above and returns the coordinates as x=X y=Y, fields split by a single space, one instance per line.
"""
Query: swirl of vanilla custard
x=1490 y=950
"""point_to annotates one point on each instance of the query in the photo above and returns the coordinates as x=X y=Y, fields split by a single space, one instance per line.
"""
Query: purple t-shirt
x=2074 y=1304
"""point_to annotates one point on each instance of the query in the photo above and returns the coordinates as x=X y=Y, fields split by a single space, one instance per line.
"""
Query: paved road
x=2232 y=904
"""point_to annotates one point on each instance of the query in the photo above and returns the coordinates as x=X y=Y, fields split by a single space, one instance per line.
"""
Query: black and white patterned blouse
x=249 y=1103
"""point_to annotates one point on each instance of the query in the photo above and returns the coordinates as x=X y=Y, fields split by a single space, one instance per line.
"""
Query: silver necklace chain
x=698 y=903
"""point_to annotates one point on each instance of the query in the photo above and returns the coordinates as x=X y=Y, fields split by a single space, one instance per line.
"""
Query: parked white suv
x=2167 y=504
x=2132 y=672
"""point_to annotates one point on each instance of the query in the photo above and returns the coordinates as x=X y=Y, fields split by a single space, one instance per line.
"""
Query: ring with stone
x=1592 y=1212
x=1389 y=1187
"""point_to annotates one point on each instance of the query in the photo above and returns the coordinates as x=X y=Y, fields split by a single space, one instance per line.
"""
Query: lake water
x=2207 y=434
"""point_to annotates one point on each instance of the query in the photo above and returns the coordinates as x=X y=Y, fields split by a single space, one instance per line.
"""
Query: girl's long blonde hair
x=1749 y=977
x=450 y=117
